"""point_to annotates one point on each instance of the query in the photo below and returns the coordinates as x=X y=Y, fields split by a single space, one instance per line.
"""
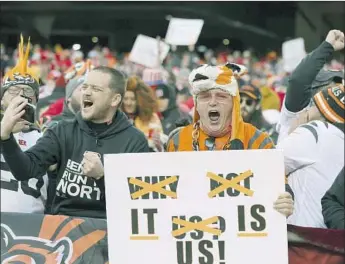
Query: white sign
x=183 y=32
x=195 y=207
x=145 y=51
x=293 y=52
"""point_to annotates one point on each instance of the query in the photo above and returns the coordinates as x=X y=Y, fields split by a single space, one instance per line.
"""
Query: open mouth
x=87 y=103
x=213 y=115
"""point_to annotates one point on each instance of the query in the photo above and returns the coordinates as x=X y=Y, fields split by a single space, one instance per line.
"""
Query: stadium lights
x=76 y=47
x=94 y=39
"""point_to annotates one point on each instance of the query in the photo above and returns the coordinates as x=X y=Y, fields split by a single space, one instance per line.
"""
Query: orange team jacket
x=251 y=138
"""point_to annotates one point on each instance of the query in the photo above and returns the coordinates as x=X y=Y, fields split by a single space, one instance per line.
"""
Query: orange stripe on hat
x=325 y=109
x=250 y=94
x=335 y=98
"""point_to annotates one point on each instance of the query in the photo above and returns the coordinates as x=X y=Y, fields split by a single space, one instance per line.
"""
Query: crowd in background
x=51 y=64
x=158 y=101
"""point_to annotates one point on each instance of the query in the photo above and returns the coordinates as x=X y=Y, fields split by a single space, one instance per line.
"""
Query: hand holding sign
x=146 y=51
x=284 y=204
x=184 y=32
x=293 y=52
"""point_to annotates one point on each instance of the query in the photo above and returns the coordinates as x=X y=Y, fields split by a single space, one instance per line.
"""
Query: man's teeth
x=214 y=115
x=88 y=103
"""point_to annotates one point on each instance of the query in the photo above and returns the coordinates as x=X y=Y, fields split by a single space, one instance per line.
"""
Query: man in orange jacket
x=218 y=124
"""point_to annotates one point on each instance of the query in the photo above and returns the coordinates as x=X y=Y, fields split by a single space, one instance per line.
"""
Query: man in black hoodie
x=75 y=77
x=77 y=146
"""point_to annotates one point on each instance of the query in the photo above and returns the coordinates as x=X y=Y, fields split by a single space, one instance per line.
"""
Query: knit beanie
x=21 y=74
x=330 y=102
x=72 y=85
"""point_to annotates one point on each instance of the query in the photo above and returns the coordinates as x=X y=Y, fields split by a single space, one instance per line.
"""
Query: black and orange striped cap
x=330 y=102
x=250 y=90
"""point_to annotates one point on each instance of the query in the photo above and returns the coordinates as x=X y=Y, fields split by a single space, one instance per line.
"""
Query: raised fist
x=336 y=39
x=92 y=165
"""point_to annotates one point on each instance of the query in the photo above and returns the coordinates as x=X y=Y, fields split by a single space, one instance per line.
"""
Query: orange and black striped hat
x=249 y=89
x=330 y=102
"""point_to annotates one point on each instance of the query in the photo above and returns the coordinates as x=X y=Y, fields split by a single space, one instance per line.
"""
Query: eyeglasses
x=27 y=91
x=248 y=102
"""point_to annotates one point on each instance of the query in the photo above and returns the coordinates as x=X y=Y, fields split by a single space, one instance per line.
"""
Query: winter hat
x=21 y=74
x=163 y=91
x=250 y=90
x=207 y=77
x=330 y=102
x=72 y=85
x=325 y=77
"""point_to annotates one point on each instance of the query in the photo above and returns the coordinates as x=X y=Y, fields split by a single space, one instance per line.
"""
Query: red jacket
x=55 y=108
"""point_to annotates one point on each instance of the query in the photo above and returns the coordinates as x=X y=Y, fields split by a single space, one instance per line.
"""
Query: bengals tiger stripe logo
x=52 y=245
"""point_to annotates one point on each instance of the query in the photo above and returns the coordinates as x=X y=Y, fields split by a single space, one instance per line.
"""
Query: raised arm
x=299 y=90
x=34 y=162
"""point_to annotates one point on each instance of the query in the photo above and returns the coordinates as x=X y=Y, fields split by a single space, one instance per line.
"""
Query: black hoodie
x=64 y=145
x=333 y=203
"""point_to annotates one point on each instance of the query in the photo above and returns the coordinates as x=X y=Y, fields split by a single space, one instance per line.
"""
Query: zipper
x=97 y=139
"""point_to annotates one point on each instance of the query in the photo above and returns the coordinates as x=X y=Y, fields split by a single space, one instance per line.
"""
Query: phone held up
x=30 y=109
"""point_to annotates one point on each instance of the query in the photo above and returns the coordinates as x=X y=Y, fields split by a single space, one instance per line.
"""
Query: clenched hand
x=92 y=165
x=336 y=39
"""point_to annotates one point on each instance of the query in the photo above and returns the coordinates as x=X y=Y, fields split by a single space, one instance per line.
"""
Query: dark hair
x=118 y=80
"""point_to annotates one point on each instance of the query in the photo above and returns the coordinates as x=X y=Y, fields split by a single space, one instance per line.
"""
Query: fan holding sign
x=183 y=32
x=218 y=124
x=190 y=206
x=148 y=51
